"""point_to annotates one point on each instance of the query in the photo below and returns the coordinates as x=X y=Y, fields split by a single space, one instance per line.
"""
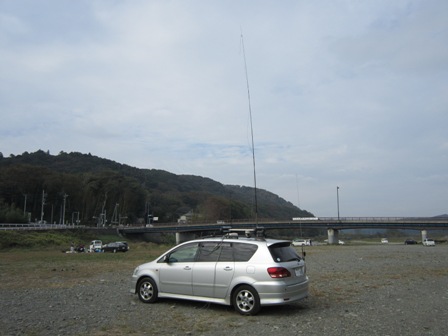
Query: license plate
x=299 y=271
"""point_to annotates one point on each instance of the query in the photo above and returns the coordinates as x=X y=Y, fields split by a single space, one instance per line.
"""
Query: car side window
x=243 y=252
x=186 y=253
x=226 y=252
x=208 y=251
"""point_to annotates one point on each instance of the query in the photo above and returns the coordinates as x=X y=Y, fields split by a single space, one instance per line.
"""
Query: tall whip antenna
x=251 y=130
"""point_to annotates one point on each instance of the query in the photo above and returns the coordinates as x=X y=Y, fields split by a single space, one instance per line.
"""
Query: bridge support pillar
x=424 y=234
x=184 y=236
x=333 y=236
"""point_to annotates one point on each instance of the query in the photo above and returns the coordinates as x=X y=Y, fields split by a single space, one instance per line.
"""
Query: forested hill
x=97 y=188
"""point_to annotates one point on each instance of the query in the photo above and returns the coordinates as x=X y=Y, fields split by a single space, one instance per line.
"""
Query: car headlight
x=136 y=271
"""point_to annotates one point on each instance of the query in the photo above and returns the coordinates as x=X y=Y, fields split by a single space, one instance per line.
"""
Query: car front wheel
x=246 y=300
x=147 y=290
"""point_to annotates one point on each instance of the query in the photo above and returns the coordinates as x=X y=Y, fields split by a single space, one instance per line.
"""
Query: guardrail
x=341 y=222
x=33 y=226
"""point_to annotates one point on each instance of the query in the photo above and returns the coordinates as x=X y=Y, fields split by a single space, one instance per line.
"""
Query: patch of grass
x=42 y=239
x=19 y=239
x=52 y=268
x=51 y=239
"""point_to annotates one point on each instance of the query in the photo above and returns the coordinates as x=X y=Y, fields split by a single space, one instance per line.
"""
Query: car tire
x=147 y=290
x=115 y=250
x=246 y=300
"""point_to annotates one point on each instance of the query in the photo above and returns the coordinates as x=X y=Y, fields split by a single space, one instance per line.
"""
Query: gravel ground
x=354 y=290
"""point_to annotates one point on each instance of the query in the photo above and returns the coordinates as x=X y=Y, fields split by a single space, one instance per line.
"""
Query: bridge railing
x=34 y=226
x=311 y=220
x=363 y=219
x=384 y=219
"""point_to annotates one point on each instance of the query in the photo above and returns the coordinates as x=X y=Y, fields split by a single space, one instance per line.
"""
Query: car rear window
x=282 y=252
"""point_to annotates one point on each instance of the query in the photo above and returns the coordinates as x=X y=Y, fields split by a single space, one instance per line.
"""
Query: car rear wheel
x=246 y=300
x=147 y=290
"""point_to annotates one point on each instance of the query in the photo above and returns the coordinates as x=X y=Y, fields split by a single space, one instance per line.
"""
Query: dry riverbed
x=388 y=289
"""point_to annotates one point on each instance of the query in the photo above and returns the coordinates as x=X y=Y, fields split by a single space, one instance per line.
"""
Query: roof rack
x=257 y=232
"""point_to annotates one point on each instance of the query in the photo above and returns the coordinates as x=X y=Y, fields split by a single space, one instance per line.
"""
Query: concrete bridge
x=332 y=224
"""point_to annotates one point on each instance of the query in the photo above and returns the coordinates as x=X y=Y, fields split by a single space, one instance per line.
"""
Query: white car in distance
x=429 y=242
x=301 y=242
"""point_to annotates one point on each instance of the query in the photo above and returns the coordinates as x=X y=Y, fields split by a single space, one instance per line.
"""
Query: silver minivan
x=247 y=273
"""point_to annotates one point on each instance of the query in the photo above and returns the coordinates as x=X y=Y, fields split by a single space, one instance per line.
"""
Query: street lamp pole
x=337 y=197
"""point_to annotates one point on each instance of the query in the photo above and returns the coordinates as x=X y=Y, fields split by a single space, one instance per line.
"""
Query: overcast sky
x=343 y=93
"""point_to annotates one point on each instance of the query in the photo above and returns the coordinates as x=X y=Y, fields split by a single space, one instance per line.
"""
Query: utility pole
x=298 y=204
x=115 y=216
x=102 y=219
x=337 y=196
x=77 y=220
x=42 y=207
x=63 y=208
x=24 y=206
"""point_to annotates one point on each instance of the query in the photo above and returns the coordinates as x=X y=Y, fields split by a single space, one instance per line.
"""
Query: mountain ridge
x=94 y=186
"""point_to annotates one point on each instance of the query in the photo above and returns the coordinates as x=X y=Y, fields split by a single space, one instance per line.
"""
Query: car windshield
x=282 y=252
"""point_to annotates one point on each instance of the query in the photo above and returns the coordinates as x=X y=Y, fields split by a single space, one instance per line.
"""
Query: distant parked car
x=410 y=242
x=116 y=247
x=340 y=242
x=301 y=242
x=429 y=242
x=384 y=241
x=96 y=246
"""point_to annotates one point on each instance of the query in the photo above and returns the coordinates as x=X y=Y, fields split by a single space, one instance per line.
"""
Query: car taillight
x=278 y=272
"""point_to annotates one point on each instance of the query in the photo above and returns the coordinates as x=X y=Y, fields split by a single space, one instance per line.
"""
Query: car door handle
x=187 y=268
x=228 y=268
